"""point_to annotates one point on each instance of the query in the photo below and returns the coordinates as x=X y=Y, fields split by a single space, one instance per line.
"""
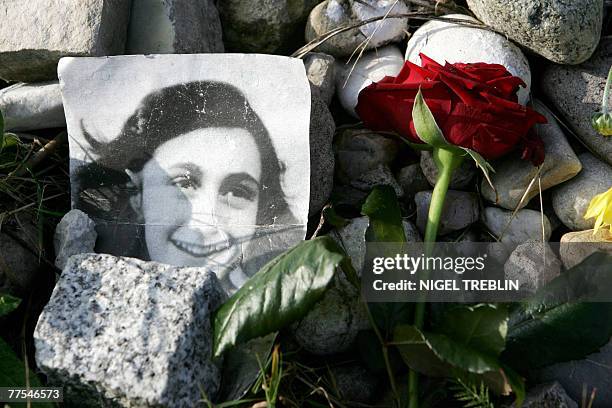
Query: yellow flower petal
x=601 y=207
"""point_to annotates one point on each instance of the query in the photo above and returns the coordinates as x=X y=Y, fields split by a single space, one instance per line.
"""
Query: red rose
x=475 y=106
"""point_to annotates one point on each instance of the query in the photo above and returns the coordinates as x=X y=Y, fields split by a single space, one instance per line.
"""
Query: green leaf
x=284 y=290
x=13 y=374
x=483 y=165
x=8 y=303
x=433 y=355
x=482 y=327
x=556 y=325
x=385 y=225
x=241 y=367
x=385 y=215
x=467 y=341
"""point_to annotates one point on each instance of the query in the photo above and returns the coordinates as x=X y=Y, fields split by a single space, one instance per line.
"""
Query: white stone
x=32 y=106
x=174 y=27
x=135 y=332
x=35 y=34
x=329 y=15
x=384 y=31
x=372 y=67
x=448 y=42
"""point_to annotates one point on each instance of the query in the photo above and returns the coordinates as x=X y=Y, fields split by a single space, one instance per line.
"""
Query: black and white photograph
x=190 y=160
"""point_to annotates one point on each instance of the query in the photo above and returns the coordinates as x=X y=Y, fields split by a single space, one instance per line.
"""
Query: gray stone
x=577 y=91
x=533 y=265
x=332 y=325
x=572 y=198
x=128 y=331
x=322 y=129
x=32 y=106
x=320 y=70
x=37 y=33
x=331 y=14
x=565 y=32
x=351 y=238
x=174 y=27
x=594 y=371
x=20 y=257
x=380 y=176
x=359 y=151
x=75 y=234
x=461 y=179
x=513 y=176
x=460 y=210
x=373 y=66
x=444 y=41
x=525 y=226
x=353 y=383
x=412 y=180
x=267 y=26
x=550 y=395
x=577 y=246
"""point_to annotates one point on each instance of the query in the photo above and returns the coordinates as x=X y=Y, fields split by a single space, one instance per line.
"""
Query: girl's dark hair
x=163 y=115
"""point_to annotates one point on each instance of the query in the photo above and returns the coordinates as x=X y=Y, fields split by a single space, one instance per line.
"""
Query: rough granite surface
x=565 y=32
x=174 y=27
x=125 y=332
x=32 y=106
x=577 y=91
x=42 y=31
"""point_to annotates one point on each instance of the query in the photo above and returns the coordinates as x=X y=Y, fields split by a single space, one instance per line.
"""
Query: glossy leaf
x=385 y=225
x=8 y=303
x=385 y=216
x=284 y=290
x=241 y=367
x=482 y=327
x=434 y=355
x=466 y=342
x=556 y=325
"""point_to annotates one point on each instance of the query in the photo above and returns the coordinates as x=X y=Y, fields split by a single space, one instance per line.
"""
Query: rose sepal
x=429 y=132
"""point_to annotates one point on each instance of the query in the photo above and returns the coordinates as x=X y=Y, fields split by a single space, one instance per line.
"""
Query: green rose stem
x=446 y=161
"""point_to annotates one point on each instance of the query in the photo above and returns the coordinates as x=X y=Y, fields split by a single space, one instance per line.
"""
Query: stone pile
x=128 y=311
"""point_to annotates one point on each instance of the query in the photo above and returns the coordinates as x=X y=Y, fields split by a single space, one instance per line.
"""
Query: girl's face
x=200 y=195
